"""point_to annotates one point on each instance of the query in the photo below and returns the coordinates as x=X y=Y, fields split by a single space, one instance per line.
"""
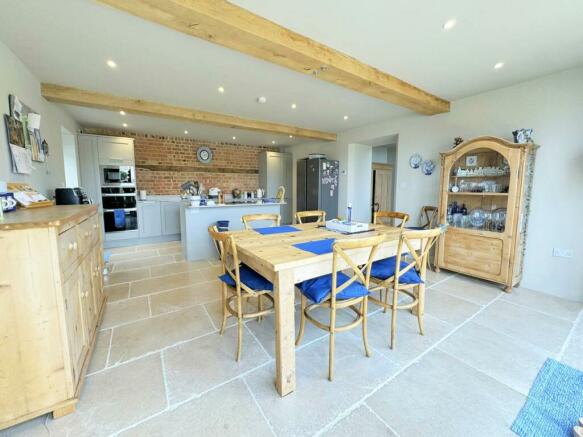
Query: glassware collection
x=477 y=218
x=478 y=187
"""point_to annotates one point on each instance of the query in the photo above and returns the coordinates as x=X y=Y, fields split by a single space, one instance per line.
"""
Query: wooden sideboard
x=51 y=301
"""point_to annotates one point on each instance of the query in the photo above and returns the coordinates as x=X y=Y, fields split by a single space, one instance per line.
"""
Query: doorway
x=383 y=178
x=382 y=187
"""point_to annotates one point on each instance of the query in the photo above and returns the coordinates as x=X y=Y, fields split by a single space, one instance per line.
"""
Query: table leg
x=285 y=354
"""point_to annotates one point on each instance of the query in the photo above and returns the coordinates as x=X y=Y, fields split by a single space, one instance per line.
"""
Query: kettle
x=260 y=193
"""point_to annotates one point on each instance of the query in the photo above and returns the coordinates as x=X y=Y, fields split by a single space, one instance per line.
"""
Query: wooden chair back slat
x=428 y=217
x=249 y=218
x=359 y=272
x=320 y=216
x=426 y=238
x=381 y=217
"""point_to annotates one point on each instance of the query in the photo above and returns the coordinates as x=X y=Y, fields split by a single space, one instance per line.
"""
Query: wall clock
x=204 y=155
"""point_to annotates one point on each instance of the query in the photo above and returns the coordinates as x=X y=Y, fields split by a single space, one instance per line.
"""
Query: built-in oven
x=118 y=197
x=117 y=175
x=119 y=220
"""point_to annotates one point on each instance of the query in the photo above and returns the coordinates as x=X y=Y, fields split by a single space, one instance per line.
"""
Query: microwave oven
x=117 y=175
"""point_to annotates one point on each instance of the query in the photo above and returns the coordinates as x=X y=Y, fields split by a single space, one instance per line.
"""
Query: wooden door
x=382 y=187
x=87 y=297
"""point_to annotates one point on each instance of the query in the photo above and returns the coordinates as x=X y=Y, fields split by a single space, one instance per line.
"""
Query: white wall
x=553 y=107
x=359 y=181
x=16 y=79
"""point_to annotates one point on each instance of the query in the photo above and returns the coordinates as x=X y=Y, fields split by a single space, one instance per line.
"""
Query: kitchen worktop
x=58 y=216
x=235 y=204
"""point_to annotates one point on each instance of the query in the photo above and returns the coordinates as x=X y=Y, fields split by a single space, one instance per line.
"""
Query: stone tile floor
x=160 y=368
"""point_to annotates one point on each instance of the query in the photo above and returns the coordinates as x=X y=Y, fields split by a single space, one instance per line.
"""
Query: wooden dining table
x=275 y=257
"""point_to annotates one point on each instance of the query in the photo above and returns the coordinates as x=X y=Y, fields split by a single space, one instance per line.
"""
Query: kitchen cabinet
x=170 y=218
x=149 y=218
x=115 y=150
x=51 y=302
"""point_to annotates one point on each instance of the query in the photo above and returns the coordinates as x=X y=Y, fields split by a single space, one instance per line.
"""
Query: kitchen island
x=195 y=220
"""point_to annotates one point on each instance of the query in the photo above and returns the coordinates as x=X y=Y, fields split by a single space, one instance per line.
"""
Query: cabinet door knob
x=87 y=234
x=95 y=226
x=71 y=246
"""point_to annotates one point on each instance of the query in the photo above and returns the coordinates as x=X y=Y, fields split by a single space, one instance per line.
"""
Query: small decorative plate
x=204 y=154
x=427 y=167
x=415 y=160
x=477 y=217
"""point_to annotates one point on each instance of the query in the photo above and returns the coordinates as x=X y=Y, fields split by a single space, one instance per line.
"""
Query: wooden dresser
x=51 y=301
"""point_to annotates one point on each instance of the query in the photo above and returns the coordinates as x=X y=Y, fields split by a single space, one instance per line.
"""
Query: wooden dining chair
x=249 y=218
x=337 y=291
x=320 y=216
x=389 y=217
x=427 y=218
x=404 y=273
x=239 y=284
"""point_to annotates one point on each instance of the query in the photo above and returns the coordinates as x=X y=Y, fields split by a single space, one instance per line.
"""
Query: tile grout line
x=167 y=393
x=257 y=340
x=374 y=413
x=108 y=351
x=259 y=407
x=209 y=316
x=161 y=291
x=149 y=306
x=357 y=404
x=567 y=343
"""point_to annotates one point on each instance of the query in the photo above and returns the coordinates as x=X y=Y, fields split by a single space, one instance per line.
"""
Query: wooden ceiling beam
x=228 y=25
x=92 y=99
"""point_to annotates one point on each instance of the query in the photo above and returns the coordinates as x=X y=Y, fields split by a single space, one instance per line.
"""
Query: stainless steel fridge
x=317 y=186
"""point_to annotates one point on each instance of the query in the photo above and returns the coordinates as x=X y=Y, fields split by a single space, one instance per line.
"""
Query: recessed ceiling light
x=273 y=142
x=498 y=65
x=185 y=132
x=449 y=24
x=221 y=89
x=111 y=63
x=294 y=106
x=125 y=125
x=122 y=113
x=234 y=138
x=291 y=136
x=346 y=117
x=262 y=99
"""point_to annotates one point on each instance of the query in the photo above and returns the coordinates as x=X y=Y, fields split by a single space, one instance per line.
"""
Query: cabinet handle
x=95 y=226
x=73 y=246
x=87 y=234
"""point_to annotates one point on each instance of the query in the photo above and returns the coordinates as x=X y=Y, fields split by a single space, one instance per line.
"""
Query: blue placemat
x=318 y=247
x=276 y=230
x=554 y=403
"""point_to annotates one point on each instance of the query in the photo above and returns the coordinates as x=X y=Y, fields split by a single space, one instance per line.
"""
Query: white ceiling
x=68 y=41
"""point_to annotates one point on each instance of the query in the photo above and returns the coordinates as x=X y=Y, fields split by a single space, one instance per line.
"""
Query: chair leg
x=421 y=308
x=386 y=300
x=260 y=308
x=331 y=351
x=364 y=309
x=394 y=317
x=302 y=320
x=239 y=329
x=225 y=312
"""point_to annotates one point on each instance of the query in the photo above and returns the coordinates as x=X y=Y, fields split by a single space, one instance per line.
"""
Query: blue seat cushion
x=415 y=228
x=250 y=278
x=317 y=289
x=385 y=268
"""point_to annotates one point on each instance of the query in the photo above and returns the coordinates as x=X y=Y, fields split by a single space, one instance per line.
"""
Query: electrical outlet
x=562 y=253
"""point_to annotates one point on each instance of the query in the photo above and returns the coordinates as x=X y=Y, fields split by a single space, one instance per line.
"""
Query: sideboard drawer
x=68 y=248
x=88 y=234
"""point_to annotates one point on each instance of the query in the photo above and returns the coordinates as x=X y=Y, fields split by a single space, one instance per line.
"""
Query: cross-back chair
x=404 y=273
x=320 y=216
x=338 y=290
x=389 y=217
x=239 y=283
x=249 y=218
x=427 y=218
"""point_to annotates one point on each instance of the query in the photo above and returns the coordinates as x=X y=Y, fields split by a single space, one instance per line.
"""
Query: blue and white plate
x=428 y=167
x=415 y=160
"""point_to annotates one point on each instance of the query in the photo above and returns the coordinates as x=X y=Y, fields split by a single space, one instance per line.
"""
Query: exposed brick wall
x=164 y=163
